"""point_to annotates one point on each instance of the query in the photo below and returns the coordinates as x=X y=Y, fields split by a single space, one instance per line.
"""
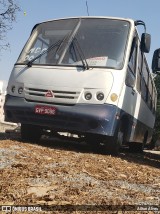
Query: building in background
x=4 y=126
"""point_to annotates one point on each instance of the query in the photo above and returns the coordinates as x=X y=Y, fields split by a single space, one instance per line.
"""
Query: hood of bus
x=59 y=84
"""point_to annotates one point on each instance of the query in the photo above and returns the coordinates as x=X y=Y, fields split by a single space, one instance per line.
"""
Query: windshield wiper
x=58 y=43
x=81 y=54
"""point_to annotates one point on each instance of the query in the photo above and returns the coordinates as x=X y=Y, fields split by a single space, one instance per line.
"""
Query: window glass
x=145 y=71
x=138 y=84
x=131 y=71
x=144 y=90
x=100 y=42
x=133 y=56
x=145 y=82
x=47 y=35
x=150 y=86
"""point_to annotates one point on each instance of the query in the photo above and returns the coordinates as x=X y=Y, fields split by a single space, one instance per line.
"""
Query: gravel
x=55 y=172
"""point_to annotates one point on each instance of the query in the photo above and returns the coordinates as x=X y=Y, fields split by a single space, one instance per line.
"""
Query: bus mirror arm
x=156 y=62
x=145 y=38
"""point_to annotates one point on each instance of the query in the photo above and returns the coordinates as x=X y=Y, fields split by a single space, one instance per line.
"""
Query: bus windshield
x=100 y=42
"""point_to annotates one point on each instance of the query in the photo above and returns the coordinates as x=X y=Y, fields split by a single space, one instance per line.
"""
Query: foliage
x=157 y=83
x=156 y=133
x=8 y=10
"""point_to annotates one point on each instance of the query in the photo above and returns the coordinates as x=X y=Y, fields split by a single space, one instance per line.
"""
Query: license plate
x=49 y=110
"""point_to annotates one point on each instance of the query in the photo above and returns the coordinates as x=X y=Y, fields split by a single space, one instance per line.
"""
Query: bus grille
x=51 y=96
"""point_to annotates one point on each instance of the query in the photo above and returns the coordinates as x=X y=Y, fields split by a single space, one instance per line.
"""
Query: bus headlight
x=20 y=90
x=88 y=96
x=17 y=89
x=100 y=96
x=13 y=88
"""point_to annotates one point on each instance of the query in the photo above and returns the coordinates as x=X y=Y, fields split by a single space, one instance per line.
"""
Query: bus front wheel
x=30 y=133
x=114 y=144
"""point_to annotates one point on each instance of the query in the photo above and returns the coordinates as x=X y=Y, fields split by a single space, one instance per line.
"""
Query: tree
x=157 y=83
x=156 y=134
x=8 y=10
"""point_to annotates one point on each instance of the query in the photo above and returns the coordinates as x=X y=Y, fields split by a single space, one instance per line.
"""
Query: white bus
x=86 y=76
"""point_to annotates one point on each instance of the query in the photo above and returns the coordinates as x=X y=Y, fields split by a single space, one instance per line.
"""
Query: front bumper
x=79 y=118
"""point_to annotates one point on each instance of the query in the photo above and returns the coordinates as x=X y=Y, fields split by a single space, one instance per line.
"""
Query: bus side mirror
x=156 y=61
x=145 y=42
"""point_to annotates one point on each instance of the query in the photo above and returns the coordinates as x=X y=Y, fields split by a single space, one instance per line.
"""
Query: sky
x=36 y=11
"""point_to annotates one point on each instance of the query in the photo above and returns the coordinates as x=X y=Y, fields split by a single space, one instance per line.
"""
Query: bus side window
x=139 y=72
x=131 y=71
x=150 y=94
x=154 y=101
x=144 y=81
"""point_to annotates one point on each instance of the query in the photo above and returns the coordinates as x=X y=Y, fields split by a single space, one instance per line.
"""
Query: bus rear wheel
x=30 y=133
x=135 y=147
x=138 y=147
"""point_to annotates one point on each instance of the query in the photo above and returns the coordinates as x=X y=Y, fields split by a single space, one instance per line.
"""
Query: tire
x=152 y=144
x=138 y=147
x=135 y=147
x=144 y=145
x=94 y=142
x=30 y=133
x=113 y=145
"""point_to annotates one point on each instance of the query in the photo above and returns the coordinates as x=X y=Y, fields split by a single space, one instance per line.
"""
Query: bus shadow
x=69 y=144
x=144 y=158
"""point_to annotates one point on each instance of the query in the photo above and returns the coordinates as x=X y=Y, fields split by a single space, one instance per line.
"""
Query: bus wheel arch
x=114 y=143
x=123 y=127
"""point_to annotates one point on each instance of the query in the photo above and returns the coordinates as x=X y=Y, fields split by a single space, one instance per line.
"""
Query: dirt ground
x=62 y=172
